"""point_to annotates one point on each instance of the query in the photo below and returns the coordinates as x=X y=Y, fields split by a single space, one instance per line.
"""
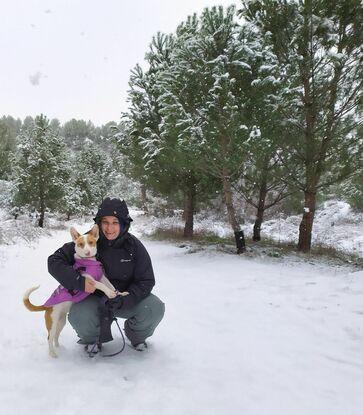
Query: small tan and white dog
x=59 y=304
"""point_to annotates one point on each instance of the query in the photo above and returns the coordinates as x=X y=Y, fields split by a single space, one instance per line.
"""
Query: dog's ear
x=75 y=235
x=95 y=232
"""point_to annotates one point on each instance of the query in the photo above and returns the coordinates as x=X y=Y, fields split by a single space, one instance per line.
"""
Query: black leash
x=96 y=346
x=123 y=340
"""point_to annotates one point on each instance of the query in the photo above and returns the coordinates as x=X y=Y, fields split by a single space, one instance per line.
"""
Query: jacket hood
x=118 y=208
x=114 y=207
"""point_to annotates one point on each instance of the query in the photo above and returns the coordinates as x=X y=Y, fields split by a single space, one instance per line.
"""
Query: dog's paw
x=124 y=293
x=111 y=294
x=52 y=354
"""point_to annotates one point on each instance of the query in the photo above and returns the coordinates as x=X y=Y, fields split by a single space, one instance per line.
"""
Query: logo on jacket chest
x=125 y=260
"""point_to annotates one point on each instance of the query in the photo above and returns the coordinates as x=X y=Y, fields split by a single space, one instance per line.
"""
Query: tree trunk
x=41 y=218
x=42 y=206
x=306 y=225
x=144 y=199
x=257 y=225
x=229 y=201
x=260 y=210
x=189 y=207
x=239 y=236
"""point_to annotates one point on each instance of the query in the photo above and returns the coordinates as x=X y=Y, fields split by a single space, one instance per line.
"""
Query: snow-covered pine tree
x=28 y=123
x=77 y=133
x=93 y=176
x=211 y=72
x=39 y=168
x=150 y=140
x=55 y=125
x=13 y=125
x=71 y=202
x=319 y=48
x=180 y=101
x=6 y=146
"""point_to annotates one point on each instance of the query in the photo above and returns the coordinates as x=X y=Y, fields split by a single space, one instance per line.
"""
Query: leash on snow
x=96 y=346
x=123 y=342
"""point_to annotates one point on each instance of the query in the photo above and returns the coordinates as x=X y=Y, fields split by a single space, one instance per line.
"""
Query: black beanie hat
x=113 y=207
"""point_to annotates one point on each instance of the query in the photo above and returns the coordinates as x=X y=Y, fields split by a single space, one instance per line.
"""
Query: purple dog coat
x=61 y=294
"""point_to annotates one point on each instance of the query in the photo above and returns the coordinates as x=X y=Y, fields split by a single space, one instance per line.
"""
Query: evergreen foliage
x=318 y=46
x=39 y=168
x=9 y=129
x=93 y=176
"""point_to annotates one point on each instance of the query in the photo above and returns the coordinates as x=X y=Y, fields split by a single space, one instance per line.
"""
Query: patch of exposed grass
x=265 y=247
x=328 y=252
x=201 y=237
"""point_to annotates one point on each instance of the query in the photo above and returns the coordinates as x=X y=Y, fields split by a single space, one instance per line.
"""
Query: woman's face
x=110 y=227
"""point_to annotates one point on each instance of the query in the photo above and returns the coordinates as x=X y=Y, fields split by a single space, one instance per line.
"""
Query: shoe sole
x=92 y=353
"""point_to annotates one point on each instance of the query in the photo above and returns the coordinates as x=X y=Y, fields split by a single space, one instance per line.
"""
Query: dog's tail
x=28 y=304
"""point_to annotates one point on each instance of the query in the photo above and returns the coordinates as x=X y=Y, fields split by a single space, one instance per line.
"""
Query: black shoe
x=92 y=349
x=140 y=347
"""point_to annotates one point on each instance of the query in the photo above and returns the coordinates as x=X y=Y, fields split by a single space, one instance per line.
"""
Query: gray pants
x=140 y=323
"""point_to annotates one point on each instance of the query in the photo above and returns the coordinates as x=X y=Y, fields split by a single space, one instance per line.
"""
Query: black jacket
x=126 y=263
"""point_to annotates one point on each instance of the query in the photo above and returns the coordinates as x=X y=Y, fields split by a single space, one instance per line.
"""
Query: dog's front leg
x=111 y=293
x=108 y=284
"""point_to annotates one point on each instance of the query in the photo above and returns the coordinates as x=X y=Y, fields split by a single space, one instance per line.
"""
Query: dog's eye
x=92 y=243
x=80 y=244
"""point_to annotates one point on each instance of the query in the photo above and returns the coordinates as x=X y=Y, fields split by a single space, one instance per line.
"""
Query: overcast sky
x=72 y=58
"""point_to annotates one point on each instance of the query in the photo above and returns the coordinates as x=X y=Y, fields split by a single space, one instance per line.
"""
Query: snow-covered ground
x=336 y=226
x=240 y=336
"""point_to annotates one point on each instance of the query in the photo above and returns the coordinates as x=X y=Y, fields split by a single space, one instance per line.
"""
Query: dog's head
x=86 y=245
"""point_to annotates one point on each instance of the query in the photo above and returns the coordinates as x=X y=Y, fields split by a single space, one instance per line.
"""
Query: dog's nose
x=87 y=253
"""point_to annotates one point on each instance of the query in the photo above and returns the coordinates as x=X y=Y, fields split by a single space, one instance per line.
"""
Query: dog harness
x=85 y=266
